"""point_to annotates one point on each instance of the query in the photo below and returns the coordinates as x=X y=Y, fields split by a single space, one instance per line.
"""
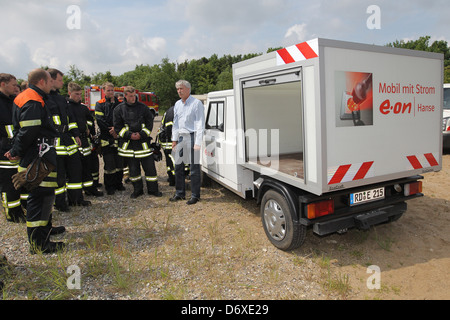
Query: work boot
x=118 y=178
x=57 y=230
x=138 y=189
x=38 y=238
x=53 y=231
x=153 y=189
x=92 y=191
x=48 y=248
x=80 y=203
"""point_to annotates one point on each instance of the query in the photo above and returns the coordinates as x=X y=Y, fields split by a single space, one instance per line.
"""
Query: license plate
x=366 y=196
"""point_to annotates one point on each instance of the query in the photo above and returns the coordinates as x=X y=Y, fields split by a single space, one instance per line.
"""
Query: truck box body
x=327 y=116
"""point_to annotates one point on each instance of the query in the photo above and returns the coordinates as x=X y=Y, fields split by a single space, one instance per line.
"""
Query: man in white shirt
x=187 y=135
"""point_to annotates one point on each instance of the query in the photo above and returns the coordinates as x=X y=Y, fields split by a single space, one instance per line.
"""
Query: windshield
x=447 y=98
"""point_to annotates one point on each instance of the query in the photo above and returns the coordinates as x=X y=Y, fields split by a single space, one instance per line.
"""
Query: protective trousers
x=113 y=169
x=151 y=177
x=39 y=208
x=170 y=163
x=95 y=167
x=10 y=196
x=69 y=180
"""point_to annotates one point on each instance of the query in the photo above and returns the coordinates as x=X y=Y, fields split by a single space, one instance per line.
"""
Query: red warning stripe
x=286 y=56
x=363 y=171
x=300 y=52
x=306 y=50
x=351 y=172
x=415 y=162
x=340 y=173
x=431 y=159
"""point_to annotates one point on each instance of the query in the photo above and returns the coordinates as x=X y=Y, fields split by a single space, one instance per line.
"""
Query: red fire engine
x=94 y=93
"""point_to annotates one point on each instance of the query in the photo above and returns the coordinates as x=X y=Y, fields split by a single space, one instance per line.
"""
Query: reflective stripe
x=48 y=184
x=60 y=190
x=148 y=132
x=35 y=224
x=74 y=186
x=9 y=130
x=151 y=179
x=88 y=184
x=57 y=120
x=123 y=131
x=86 y=151
x=98 y=113
x=9 y=164
x=111 y=171
x=30 y=123
x=73 y=125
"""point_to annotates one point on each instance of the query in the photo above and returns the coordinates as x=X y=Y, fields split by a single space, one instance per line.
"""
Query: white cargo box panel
x=327 y=115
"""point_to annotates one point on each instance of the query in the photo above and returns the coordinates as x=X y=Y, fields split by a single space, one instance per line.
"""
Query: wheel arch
x=285 y=190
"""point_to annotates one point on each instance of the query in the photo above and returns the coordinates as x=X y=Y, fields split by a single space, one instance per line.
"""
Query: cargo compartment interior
x=273 y=118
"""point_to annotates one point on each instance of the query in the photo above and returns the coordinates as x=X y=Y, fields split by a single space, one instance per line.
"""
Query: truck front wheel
x=278 y=224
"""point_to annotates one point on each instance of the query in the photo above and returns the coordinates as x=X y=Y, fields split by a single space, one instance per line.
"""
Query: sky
x=98 y=36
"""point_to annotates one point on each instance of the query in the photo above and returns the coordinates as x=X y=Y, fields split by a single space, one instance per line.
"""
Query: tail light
x=320 y=209
x=446 y=124
x=413 y=188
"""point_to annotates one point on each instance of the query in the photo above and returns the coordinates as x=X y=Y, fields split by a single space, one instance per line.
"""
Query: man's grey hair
x=183 y=83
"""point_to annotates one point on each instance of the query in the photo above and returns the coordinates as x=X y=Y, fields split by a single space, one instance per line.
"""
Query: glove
x=31 y=178
x=157 y=155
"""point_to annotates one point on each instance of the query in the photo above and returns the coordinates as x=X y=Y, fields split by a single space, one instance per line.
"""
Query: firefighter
x=85 y=123
x=134 y=123
x=69 y=159
x=10 y=196
x=113 y=163
x=34 y=129
x=165 y=138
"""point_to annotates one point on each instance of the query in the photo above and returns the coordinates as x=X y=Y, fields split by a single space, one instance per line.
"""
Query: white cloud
x=296 y=33
x=116 y=36
x=142 y=50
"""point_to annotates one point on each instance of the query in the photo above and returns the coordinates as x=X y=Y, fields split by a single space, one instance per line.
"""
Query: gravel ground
x=153 y=249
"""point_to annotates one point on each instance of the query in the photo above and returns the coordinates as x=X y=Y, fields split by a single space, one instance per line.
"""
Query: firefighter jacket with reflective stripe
x=129 y=119
x=104 y=113
x=165 y=131
x=6 y=131
x=33 y=122
x=85 y=123
x=65 y=123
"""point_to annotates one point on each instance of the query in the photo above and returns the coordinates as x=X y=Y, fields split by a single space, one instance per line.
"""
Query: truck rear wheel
x=278 y=223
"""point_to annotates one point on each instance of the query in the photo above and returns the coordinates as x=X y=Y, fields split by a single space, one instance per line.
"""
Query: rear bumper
x=362 y=221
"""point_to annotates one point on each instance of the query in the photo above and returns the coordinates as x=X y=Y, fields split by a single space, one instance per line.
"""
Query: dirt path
x=413 y=254
x=155 y=249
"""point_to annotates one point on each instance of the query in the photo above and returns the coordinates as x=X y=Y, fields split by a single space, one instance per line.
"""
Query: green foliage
x=423 y=44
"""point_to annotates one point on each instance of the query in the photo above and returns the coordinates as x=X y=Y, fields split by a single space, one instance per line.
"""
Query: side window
x=215 y=119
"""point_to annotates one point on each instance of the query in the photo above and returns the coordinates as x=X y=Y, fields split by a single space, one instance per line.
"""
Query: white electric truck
x=327 y=134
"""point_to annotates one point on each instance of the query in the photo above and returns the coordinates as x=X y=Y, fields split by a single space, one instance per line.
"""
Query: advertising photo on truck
x=328 y=135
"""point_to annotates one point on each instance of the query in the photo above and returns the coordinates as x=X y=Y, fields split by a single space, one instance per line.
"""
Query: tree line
x=208 y=74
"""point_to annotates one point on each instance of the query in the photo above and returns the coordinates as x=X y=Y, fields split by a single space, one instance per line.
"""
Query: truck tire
x=278 y=224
